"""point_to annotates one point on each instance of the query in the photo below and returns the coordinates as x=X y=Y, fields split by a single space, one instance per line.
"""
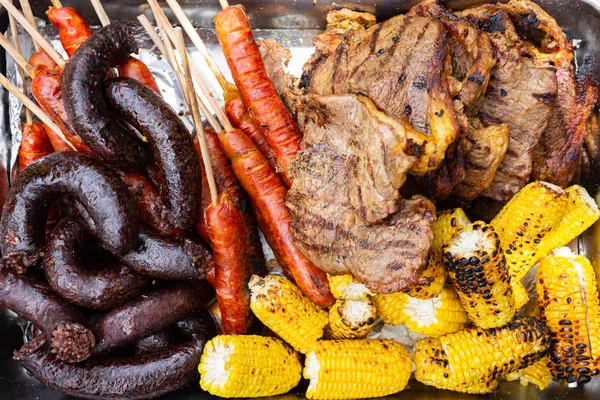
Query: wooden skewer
x=198 y=43
x=104 y=20
x=224 y=4
x=26 y=7
x=152 y=33
x=56 y=3
x=38 y=112
x=15 y=36
x=16 y=55
x=36 y=36
x=180 y=44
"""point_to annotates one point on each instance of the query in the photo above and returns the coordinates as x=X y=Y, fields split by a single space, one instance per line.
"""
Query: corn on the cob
x=343 y=287
x=435 y=272
x=568 y=300
x=477 y=269
x=436 y=317
x=355 y=369
x=390 y=307
x=448 y=223
x=248 y=366
x=581 y=213
x=525 y=220
x=519 y=294
x=350 y=319
x=537 y=373
x=432 y=368
x=282 y=307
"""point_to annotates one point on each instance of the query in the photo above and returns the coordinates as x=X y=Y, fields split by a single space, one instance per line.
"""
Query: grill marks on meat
x=399 y=64
x=345 y=180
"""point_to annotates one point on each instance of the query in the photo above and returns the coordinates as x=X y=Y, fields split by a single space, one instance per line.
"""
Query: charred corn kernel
x=520 y=295
x=447 y=224
x=525 y=220
x=282 y=307
x=248 y=366
x=356 y=369
x=343 y=287
x=390 y=307
x=435 y=272
x=350 y=319
x=537 y=373
x=477 y=269
x=432 y=368
x=436 y=317
x=581 y=213
x=568 y=300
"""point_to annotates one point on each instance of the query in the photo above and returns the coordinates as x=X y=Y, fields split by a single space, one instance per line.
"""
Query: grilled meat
x=275 y=58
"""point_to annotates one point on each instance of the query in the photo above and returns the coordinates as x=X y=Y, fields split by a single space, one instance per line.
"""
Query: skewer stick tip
x=224 y=4
x=102 y=16
x=56 y=3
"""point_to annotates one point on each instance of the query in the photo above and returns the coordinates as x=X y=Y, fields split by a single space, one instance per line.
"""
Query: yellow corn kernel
x=432 y=369
x=477 y=269
x=448 y=223
x=343 y=287
x=350 y=319
x=525 y=220
x=248 y=366
x=436 y=317
x=356 y=369
x=581 y=213
x=282 y=307
x=390 y=307
x=537 y=373
x=435 y=272
x=568 y=301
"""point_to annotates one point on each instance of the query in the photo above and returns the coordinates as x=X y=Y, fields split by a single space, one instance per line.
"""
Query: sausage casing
x=135 y=69
x=73 y=30
x=34 y=144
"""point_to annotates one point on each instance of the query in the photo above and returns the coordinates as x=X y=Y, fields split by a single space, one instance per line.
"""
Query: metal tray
x=294 y=23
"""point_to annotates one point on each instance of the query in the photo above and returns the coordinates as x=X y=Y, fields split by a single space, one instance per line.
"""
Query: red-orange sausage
x=40 y=60
x=267 y=193
x=240 y=118
x=137 y=70
x=34 y=144
x=233 y=269
x=73 y=30
x=257 y=90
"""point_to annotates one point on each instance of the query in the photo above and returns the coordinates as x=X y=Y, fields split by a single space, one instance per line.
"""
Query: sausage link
x=149 y=314
x=233 y=267
x=138 y=71
x=84 y=101
x=153 y=343
x=34 y=144
x=64 y=326
x=267 y=193
x=73 y=30
x=101 y=288
x=240 y=118
x=41 y=61
x=201 y=324
x=172 y=143
x=138 y=377
x=78 y=176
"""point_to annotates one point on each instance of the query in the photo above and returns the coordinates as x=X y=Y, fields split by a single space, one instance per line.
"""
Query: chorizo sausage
x=73 y=30
x=138 y=71
x=65 y=327
x=153 y=343
x=149 y=314
x=233 y=267
x=138 y=377
x=34 y=144
x=267 y=192
x=257 y=90
x=84 y=101
x=41 y=61
x=171 y=141
x=78 y=176
x=101 y=288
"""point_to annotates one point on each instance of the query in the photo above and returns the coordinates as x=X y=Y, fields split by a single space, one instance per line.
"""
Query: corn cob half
x=435 y=272
x=284 y=309
x=343 y=287
x=568 y=300
x=248 y=366
x=525 y=220
x=477 y=269
x=350 y=319
x=537 y=373
x=390 y=307
x=356 y=369
x=448 y=223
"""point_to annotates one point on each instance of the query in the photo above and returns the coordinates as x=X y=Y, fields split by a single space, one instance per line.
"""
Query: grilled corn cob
x=525 y=220
x=435 y=272
x=537 y=373
x=282 y=307
x=519 y=294
x=435 y=317
x=390 y=307
x=477 y=269
x=581 y=212
x=447 y=224
x=432 y=368
x=343 y=287
x=354 y=369
x=350 y=319
x=248 y=366
x=568 y=300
